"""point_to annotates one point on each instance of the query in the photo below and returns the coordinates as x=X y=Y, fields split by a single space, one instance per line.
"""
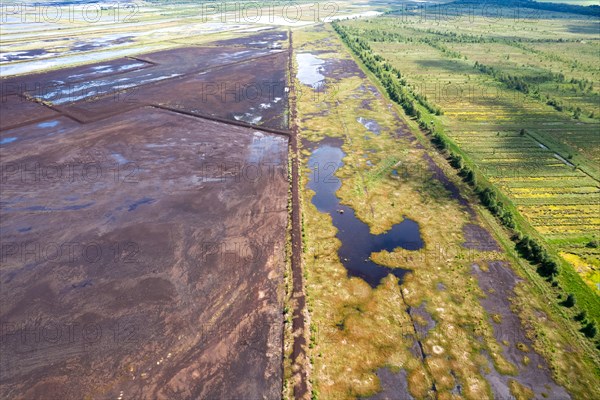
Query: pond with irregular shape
x=309 y=69
x=357 y=241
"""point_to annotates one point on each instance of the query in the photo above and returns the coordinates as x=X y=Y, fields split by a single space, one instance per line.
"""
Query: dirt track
x=300 y=360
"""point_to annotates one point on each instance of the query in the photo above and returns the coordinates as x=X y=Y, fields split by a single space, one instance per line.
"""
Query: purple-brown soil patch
x=272 y=39
x=10 y=56
x=441 y=176
x=246 y=85
x=394 y=386
x=499 y=384
x=42 y=82
x=478 y=238
x=365 y=104
x=52 y=129
x=188 y=59
x=77 y=47
x=374 y=90
x=457 y=389
x=339 y=69
x=498 y=284
x=423 y=320
x=370 y=124
x=251 y=92
x=15 y=111
x=169 y=64
x=308 y=116
x=95 y=44
x=151 y=267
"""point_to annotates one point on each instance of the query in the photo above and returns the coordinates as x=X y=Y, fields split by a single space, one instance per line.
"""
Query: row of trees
x=511 y=81
x=524 y=85
x=516 y=82
x=390 y=77
x=535 y=6
x=528 y=247
x=436 y=44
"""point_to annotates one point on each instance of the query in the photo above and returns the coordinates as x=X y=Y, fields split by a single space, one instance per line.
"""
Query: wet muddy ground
x=76 y=46
x=269 y=39
x=236 y=83
x=142 y=250
x=478 y=238
x=498 y=284
x=252 y=91
x=395 y=385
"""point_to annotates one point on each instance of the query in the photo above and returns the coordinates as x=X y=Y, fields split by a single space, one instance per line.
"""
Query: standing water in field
x=309 y=69
x=357 y=241
x=370 y=124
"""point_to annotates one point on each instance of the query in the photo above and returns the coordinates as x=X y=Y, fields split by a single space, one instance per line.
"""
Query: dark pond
x=357 y=241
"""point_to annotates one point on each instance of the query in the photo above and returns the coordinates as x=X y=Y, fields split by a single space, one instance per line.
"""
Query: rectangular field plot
x=153 y=243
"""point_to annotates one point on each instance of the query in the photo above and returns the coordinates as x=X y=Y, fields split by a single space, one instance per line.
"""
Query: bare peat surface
x=15 y=111
x=234 y=83
x=479 y=238
x=270 y=39
x=394 y=385
x=142 y=249
x=498 y=284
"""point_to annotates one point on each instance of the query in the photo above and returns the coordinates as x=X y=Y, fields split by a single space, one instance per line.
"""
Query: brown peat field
x=241 y=201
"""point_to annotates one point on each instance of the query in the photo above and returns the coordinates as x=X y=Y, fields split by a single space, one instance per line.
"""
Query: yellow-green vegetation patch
x=519 y=391
x=588 y=268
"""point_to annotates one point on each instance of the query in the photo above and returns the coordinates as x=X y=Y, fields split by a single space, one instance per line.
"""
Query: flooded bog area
x=357 y=241
x=310 y=69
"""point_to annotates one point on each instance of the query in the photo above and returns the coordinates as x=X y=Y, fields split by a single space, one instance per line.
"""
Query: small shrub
x=589 y=330
x=570 y=301
x=580 y=317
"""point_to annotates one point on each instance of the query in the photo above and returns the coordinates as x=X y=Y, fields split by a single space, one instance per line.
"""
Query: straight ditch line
x=300 y=361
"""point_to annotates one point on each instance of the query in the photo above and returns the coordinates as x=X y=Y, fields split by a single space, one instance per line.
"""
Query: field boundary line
x=300 y=360
x=241 y=124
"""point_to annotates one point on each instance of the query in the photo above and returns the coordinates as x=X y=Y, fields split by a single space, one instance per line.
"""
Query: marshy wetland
x=442 y=321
